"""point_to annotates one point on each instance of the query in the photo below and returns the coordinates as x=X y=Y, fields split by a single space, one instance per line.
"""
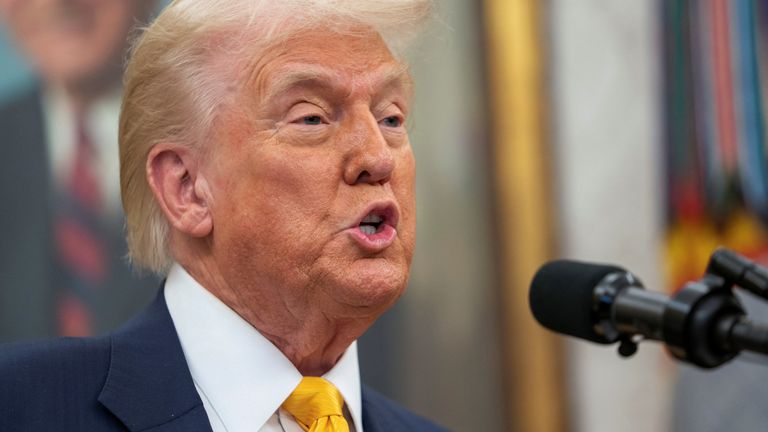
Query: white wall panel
x=605 y=72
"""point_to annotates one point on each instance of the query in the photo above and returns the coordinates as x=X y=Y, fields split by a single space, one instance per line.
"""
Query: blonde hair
x=175 y=82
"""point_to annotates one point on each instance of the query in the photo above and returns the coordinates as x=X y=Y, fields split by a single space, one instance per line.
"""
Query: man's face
x=72 y=42
x=312 y=178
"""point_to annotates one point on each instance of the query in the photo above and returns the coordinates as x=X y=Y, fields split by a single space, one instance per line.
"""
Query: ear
x=180 y=190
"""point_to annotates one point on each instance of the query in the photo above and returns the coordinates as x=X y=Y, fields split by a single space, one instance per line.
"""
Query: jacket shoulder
x=43 y=381
x=23 y=360
x=382 y=414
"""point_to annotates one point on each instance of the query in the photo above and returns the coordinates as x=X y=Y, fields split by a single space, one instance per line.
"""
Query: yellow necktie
x=316 y=405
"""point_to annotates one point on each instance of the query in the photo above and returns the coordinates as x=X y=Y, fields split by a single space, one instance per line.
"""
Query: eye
x=312 y=120
x=392 y=121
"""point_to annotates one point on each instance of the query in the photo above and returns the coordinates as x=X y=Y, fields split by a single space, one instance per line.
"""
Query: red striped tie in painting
x=79 y=240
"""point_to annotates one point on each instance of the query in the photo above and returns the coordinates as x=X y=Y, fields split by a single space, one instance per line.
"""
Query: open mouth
x=377 y=228
x=377 y=219
x=372 y=224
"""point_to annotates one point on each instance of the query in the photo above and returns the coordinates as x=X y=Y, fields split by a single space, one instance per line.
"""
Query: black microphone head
x=562 y=297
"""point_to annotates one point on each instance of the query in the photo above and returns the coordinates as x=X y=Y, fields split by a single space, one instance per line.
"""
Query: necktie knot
x=317 y=406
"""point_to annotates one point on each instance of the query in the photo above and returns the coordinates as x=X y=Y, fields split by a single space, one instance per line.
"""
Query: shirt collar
x=244 y=376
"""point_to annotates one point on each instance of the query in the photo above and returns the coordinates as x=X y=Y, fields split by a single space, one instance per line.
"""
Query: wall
x=605 y=64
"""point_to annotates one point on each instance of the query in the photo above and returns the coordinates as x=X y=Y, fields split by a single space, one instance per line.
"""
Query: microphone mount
x=703 y=323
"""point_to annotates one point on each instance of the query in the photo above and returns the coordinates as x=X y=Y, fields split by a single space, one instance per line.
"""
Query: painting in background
x=15 y=76
x=716 y=67
x=716 y=74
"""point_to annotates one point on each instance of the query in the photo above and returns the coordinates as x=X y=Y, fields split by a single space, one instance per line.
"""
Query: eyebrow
x=315 y=76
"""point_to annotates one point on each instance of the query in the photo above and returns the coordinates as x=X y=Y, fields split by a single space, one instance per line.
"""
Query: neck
x=312 y=337
x=318 y=345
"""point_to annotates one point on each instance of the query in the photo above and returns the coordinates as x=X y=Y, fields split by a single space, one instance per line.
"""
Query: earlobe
x=180 y=190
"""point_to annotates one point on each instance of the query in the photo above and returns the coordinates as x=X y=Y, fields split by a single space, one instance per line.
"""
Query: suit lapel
x=149 y=385
x=373 y=420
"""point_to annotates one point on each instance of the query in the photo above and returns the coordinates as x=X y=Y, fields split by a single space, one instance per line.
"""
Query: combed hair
x=184 y=67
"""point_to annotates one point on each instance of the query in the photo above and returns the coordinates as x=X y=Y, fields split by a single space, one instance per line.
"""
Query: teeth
x=373 y=218
x=368 y=229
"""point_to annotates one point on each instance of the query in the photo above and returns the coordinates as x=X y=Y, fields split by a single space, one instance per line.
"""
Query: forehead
x=327 y=59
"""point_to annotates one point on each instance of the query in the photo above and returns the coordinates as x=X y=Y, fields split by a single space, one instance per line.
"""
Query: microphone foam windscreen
x=561 y=297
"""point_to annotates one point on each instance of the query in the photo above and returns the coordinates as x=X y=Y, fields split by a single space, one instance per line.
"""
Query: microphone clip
x=627 y=346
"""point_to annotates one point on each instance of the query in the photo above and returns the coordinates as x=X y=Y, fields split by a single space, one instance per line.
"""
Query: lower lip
x=377 y=241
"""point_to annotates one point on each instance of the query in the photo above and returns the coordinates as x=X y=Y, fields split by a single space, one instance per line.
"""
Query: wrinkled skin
x=314 y=139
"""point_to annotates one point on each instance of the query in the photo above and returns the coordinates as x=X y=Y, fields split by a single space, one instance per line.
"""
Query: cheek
x=300 y=187
x=404 y=187
x=261 y=236
x=276 y=203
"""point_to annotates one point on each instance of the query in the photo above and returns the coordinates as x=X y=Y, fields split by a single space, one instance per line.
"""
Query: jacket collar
x=148 y=384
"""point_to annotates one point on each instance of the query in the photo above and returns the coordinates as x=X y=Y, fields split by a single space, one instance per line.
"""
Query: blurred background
x=620 y=131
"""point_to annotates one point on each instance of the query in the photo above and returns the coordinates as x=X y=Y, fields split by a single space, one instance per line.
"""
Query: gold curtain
x=523 y=193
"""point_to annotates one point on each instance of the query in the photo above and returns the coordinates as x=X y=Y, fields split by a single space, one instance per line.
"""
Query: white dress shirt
x=241 y=377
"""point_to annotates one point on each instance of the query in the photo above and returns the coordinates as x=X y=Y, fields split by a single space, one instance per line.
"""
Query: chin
x=372 y=283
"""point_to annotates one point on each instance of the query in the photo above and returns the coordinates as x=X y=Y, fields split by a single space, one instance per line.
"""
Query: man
x=62 y=267
x=266 y=169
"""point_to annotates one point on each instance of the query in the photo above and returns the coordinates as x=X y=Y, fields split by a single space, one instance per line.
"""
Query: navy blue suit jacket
x=135 y=379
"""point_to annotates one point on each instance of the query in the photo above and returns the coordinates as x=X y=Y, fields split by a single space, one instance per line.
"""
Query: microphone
x=703 y=323
x=589 y=301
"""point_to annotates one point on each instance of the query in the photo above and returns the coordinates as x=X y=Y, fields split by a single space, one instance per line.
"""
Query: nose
x=370 y=159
